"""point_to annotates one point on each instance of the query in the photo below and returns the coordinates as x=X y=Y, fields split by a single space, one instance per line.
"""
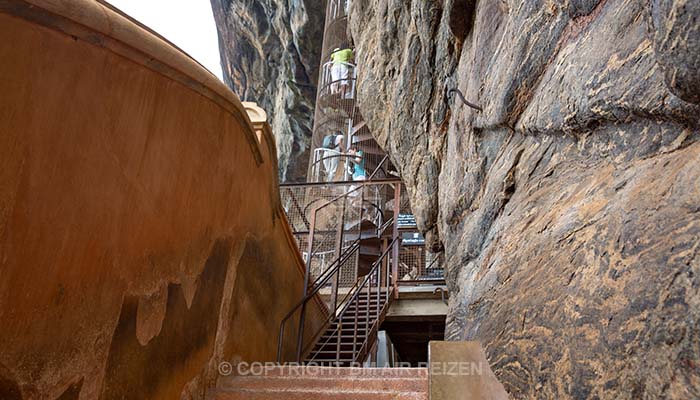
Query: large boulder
x=569 y=208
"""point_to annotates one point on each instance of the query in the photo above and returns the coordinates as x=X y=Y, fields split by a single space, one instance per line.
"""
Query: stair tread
x=292 y=389
x=343 y=347
x=296 y=370
x=306 y=395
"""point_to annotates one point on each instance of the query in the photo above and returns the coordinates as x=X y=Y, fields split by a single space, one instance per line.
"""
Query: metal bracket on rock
x=461 y=96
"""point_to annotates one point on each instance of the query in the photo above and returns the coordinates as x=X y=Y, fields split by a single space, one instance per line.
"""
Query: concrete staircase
x=309 y=383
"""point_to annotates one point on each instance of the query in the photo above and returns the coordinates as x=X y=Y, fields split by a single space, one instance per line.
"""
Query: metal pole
x=362 y=214
x=369 y=297
x=378 y=274
x=307 y=277
x=395 y=237
x=337 y=255
x=354 y=338
x=384 y=264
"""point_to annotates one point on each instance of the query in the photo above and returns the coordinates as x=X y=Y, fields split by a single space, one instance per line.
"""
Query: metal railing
x=374 y=286
x=335 y=229
x=334 y=89
x=417 y=265
x=379 y=277
x=328 y=165
x=336 y=109
x=335 y=223
x=337 y=9
x=332 y=166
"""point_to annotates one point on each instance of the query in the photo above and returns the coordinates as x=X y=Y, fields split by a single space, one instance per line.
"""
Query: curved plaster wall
x=141 y=237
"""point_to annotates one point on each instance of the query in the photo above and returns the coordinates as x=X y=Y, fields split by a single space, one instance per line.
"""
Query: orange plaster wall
x=136 y=214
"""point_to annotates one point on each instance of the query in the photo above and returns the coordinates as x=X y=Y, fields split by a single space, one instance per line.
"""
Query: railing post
x=369 y=305
x=300 y=333
x=354 y=338
x=378 y=277
x=362 y=214
x=338 y=252
x=395 y=237
x=385 y=265
x=340 y=335
x=307 y=277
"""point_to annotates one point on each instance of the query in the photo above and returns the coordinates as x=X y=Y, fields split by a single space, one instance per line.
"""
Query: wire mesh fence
x=416 y=263
x=343 y=148
x=327 y=219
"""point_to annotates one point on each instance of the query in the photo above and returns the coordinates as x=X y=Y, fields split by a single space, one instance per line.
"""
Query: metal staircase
x=366 y=241
x=348 y=339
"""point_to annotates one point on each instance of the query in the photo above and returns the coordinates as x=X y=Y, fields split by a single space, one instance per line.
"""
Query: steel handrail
x=375 y=182
x=327 y=86
x=345 y=302
x=338 y=155
x=318 y=284
x=374 y=265
x=328 y=65
x=349 y=64
x=359 y=187
x=334 y=269
x=386 y=157
x=432 y=263
x=295 y=203
x=356 y=291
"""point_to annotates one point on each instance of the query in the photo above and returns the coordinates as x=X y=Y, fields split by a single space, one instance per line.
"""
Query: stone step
x=333 y=373
x=338 y=383
x=312 y=395
x=310 y=383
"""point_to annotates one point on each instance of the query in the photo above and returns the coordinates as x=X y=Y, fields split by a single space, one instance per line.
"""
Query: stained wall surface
x=141 y=236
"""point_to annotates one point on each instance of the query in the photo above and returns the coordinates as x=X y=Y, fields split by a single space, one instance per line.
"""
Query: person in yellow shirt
x=342 y=58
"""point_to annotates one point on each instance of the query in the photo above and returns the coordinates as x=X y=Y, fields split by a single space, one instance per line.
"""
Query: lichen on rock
x=569 y=208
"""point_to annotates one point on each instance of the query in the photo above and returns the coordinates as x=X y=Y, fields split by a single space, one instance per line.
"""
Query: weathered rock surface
x=569 y=208
x=270 y=53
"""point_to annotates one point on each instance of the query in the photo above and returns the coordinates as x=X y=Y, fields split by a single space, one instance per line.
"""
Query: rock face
x=569 y=209
x=270 y=53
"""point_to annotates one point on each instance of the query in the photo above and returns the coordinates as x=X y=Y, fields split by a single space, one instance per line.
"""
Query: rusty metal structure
x=336 y=109
x=353 y=226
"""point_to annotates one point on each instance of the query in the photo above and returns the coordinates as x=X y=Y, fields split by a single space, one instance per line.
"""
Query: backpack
x=329 y=141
